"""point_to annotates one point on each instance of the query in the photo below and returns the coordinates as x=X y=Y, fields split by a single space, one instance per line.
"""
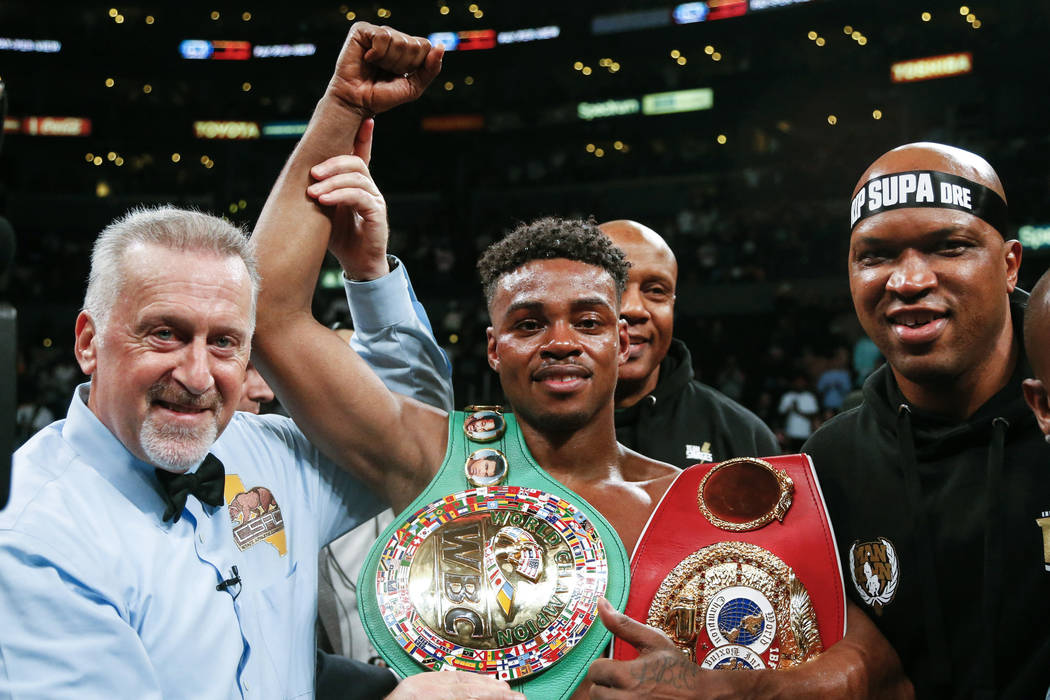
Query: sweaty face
x=647 y=306
x=556 y=342
x=930 y=288
x=167 y=371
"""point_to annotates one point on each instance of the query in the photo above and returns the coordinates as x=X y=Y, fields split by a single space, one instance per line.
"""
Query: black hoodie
x=683 y=422
x=935 y=522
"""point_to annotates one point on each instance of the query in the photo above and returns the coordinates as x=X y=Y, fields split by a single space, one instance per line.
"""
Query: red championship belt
x=738 y=565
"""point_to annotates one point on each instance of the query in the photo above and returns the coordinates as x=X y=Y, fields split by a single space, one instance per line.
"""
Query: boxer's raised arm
x=377 y=69
x=333 y=395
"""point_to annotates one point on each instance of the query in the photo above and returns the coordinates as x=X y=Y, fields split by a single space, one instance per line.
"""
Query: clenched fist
x=380 y=68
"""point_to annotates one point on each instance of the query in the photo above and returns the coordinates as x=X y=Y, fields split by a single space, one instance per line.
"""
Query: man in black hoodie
x=934 y=482
x=661 y=410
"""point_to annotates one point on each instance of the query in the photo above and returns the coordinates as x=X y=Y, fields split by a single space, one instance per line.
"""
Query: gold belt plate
x=734 y=605
x=499 y=580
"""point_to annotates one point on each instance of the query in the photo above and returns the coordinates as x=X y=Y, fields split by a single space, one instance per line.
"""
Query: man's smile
x=917 y=325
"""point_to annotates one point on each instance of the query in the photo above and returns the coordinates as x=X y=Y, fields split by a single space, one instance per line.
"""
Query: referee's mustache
x=177 y=397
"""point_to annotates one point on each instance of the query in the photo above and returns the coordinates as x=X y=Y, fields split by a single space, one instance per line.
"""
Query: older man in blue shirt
x=158 y=543
x=101 y=593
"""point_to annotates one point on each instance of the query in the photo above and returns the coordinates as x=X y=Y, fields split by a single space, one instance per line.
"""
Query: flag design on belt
x=504 y=588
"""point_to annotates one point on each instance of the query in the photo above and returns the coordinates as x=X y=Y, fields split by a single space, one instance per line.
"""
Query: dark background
x=759 y=223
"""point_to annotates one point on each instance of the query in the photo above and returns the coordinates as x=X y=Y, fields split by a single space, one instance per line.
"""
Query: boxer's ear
x=493 y=357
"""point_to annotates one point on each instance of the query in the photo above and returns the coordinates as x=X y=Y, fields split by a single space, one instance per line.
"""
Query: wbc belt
x=738 y=565
x=496 y=568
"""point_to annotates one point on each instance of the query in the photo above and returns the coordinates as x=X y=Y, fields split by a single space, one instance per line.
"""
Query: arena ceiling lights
x=230 y=130
x=759 y=5
x=932 y=67
x=219 y=50
x=651 y=104
x=284 y=130
x=684 y=13
x=48 y=126
x=678 y=101
x=283 y=50
x=1034 y=237
x=202 y=50
x=30 y=45
x=475 y=39
x=454 y=122
x=469 y=40
x=608 y=108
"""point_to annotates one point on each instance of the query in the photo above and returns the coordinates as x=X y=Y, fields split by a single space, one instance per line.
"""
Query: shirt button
x=201 y=536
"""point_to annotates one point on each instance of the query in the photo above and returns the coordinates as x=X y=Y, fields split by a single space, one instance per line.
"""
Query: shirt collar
x=102 y=451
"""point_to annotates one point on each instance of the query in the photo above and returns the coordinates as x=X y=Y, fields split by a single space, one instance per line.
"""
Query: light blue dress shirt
x=99 y=598
x=383 y=332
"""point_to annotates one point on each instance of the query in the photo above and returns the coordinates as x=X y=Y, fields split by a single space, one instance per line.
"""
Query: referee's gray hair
x=167 y=226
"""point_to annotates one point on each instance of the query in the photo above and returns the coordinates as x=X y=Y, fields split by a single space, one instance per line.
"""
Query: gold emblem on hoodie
x=1044 y=525
x=876 y=572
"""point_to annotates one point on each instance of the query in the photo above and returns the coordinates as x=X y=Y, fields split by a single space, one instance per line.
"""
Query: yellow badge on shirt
x=255 y=515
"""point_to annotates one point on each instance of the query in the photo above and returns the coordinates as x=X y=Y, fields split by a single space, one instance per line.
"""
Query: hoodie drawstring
x=933 y=620
x=993 y=559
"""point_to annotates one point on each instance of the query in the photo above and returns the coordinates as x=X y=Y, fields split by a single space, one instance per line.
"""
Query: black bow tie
x=207 y=484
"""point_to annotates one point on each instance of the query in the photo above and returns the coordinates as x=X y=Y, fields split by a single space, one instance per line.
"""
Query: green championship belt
x=496 y=568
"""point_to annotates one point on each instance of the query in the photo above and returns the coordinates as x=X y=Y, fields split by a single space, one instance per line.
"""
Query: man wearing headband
x=934 y=483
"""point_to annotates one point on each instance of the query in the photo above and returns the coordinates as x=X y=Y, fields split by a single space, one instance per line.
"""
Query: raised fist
x=380 y=68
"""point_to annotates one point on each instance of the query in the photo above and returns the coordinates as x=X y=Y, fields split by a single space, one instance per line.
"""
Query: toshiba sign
x=932 y=67
x=226 y=130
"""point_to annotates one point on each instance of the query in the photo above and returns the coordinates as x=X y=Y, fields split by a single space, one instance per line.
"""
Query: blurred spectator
x=798 y=407
x=834 y=382
x=30 y=416
x=865 y=358
x=731 y=379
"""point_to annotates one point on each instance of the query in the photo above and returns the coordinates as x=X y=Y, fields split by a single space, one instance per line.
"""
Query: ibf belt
x=738 y=565
x=496 y=569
